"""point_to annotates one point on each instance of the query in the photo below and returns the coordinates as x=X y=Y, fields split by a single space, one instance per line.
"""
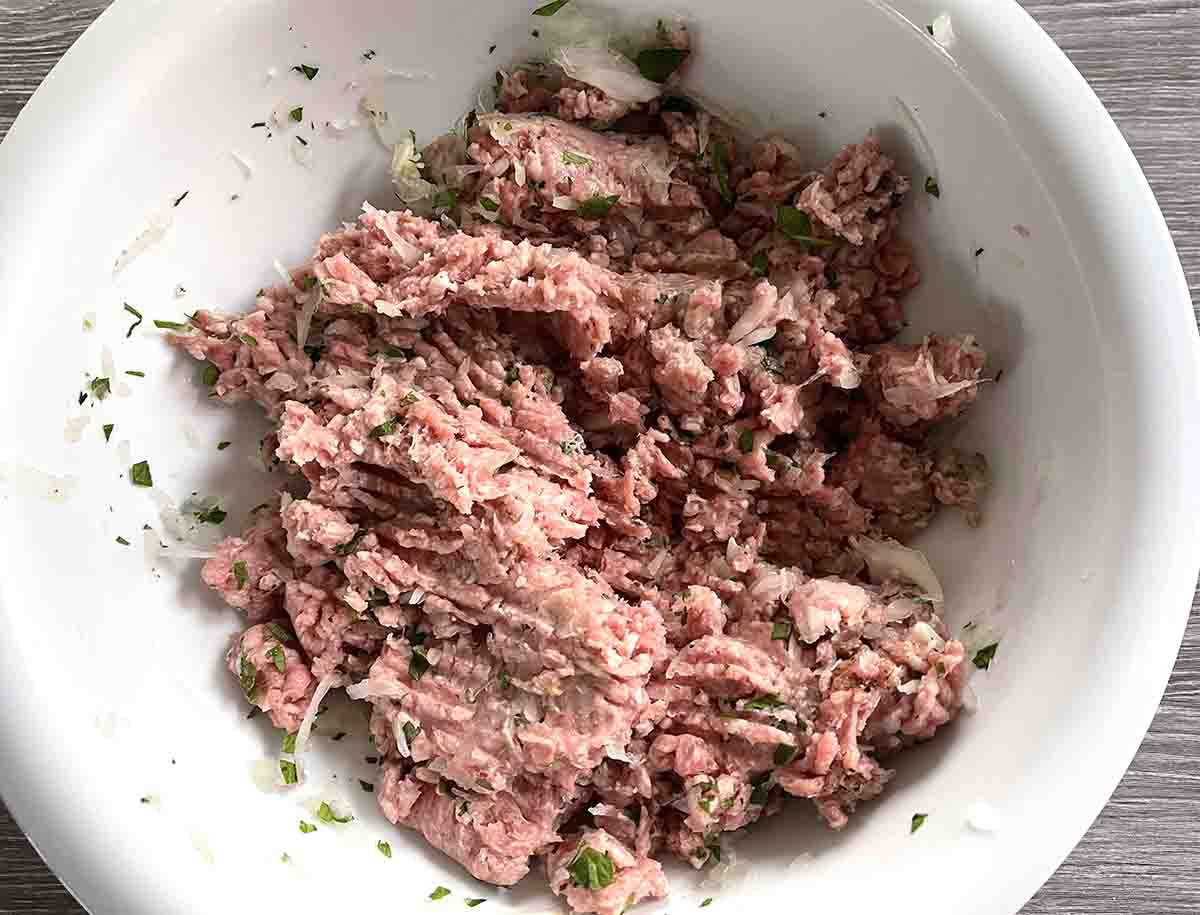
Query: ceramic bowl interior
x=111 y=683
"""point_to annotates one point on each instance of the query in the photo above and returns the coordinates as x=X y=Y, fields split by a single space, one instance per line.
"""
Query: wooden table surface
x=1143 y=58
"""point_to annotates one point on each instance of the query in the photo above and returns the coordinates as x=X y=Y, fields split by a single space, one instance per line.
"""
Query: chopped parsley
x=597 y=206
x=713 y=843
x=929 y=29
x=221 y=446
x=573 y=158
x=209 y=375
x=504 y=679
x=137 y=314
x=387 y=428
x=978 y=251
x=212 y=515
x=258 y=124
x=720 y=161
x=932 y=188
x=781 y=631
x=983 y=657
x=918 y=821
x=745 y=441
x=511 y=376
x=170 y=325
x=706 y=903
x=289 y=743
x=439 y=892
x=471 y=903
x=410 y=731
x=82 y=398
x=240 y=575
x=248 y=340
x=409 y=399
x=100 y=388
x=180 y=199
x=285 y=858
x=657 y=64
x=759 y=265
x=307 y=827
x=122 y=541
x=764 y=703
x=445 y=199
x=550 y=8
x=278 y=658
x=384 y=848
x=797 y=226
x=366 y=786
x=297 y=114
x=762 y=790
x=135 y=374
x=310 y=73
x=352 y=544
x=489 y=204
x=280 y=632
x=139 y=474
x=591 y=869
x=418 y=664
x=248 y=677
x=287 y=769
x=326 y=814
x=784 y=754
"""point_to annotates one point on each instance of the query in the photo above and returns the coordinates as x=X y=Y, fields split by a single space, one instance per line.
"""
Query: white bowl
x=111 y=686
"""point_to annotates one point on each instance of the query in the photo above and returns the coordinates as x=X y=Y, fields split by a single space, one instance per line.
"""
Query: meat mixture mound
x=583 y=461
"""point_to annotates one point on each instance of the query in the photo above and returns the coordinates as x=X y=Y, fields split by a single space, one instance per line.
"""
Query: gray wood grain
x=1143 y=59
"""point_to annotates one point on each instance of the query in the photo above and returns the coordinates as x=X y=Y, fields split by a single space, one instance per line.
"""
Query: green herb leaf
x=489 y=204
x=212 y=515
x=932 y=188
x=550 y=8
x=418 y=664
x=706 y=903
x=759 y=265
x=297 y=114
x=221 y=446
x=439 y=892
x=409 y=399
x=248 y=340
x=108 y=431
x=289 y=743
x=929 y=29
x=591 y=869
x=505 y=679
x=209 y=375
x=745 y=441
x=720 y=161
x=797 y=225
x=135 y=374
x=248 y=677
x=139 y=474
x=713 y=843
x=781 y=631
x=657 y=64
x=352 y=544
x=445 y=199
x=784 y=754
x=137 y=314
x=983 y=657
x=387 y=428
x=918 y=821
x=764 y=703
x=240 y=574
x=597 y=207
x=100 y=388
x=122 y=541
x=326 y=814
x=410 y=731
x=278 y=658
x=285 y=858
x=310 y=73
x=171 y=325
x=287 y=769
x=307 y=827
x=574 y=158
x=384 y=848
x=280 y=632
x=471 y=903
x=366 y=786
x=82 y=398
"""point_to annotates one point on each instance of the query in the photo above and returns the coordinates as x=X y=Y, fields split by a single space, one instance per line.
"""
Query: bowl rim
x=120 y=27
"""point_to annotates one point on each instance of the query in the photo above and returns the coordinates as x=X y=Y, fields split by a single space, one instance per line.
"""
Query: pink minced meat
x=575 y=481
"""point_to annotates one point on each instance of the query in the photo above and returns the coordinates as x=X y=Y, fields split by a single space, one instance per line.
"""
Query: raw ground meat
x=575 y=478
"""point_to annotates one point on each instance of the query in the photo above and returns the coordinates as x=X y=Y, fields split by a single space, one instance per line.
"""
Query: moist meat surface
x=578 y=477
